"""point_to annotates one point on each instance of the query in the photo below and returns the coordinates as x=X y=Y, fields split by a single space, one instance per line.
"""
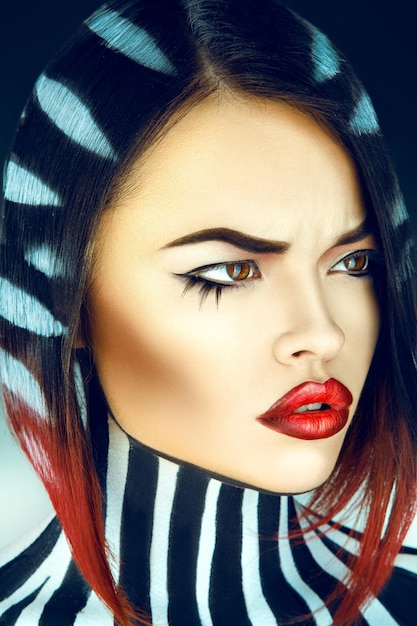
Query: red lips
x=315 y=424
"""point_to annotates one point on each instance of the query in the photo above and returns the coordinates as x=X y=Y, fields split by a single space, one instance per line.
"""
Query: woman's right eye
x=220 y=276
x=227 y=273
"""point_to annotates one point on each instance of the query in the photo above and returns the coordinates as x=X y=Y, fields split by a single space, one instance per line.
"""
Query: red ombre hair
x=59 y=182
x=76 y=498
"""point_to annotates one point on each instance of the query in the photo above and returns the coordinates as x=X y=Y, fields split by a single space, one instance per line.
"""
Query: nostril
x=300 y=353
x=315 y=343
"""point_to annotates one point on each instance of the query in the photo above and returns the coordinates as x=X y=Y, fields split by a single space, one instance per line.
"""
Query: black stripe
x=137 y=523
x=67 y=601
x=98 y=423
x=408 y=550
x=10 y=617
x=320 y=581
x=283 y=600
x=15 y=573
x=226 y=597
x=188 y=508
x=399 y=596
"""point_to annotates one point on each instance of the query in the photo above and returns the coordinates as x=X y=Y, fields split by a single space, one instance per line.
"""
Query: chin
x=294 y=474
x=296 y=486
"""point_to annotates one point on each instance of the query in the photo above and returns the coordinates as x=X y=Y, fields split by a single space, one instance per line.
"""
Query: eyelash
x=206 y=286
x=374 y=259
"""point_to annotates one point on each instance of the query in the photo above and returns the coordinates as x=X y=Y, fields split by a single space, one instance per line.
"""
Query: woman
x=207 y=307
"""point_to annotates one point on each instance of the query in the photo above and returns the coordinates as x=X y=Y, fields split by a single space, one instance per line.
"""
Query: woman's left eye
x=356 y=264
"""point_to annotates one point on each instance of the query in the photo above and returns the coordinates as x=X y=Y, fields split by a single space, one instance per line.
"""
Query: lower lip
x=310 y=425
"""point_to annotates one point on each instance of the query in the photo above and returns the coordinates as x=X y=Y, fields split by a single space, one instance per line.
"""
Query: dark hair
x=130 y=69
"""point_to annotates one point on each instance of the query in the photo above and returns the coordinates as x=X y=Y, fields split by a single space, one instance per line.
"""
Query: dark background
x=378 y=37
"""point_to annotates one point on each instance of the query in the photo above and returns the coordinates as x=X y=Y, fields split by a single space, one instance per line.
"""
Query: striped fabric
x=195 y=550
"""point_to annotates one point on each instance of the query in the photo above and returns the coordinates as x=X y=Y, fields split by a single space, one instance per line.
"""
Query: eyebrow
x=356 y=234
x=234 y=237
x=257 y=244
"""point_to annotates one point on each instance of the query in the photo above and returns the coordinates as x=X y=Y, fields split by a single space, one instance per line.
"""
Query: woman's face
x=232 y=279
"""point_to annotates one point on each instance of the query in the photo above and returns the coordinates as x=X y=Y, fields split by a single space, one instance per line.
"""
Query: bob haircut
x=130 y=70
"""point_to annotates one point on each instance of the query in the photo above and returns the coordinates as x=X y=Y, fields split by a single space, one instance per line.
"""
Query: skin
x=189 y=378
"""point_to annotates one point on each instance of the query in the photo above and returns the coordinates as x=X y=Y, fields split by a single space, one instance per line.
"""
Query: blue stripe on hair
x=45 y=260
x=399 y=212
x=364 y=120
x=324 y=56
x=19 y=381
x=72 y=116
x=131 y=40
x=79 y=387
x=24 y=187
x=23 y=310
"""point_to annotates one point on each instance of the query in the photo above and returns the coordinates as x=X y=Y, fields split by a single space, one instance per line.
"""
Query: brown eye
x=227 y=274
x=357 y=263
x=238 y=271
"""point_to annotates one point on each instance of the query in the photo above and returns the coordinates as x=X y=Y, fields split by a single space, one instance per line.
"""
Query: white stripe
x=45 y=260
x=117 y=468
x=411 y=536
x=19 y=381
x=407 y=561
x=323 y=556
x=375 y=613
x=206 y=548
x=158 y=592
x=131 y=40
x=11 y=551
x=51 y=574
x=72 y=116
x=292 y=576
x=95 y=612
x=23 y=187
x=257 y=607
x=350 y=544
x=22 y=309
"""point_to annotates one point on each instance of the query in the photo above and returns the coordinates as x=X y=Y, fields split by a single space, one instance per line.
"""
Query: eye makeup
x=359 y=264
x=219 y=276
x=216 y=277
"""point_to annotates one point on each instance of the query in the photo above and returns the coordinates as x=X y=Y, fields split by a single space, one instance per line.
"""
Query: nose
x=311 y=333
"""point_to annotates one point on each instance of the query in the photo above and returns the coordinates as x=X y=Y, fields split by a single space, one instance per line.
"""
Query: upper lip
x=332 y=392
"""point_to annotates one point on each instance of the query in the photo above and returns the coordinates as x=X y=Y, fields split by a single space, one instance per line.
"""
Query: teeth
x=314 y=406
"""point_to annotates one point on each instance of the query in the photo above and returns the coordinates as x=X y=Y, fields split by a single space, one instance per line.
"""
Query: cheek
x=358 y=315
x=366 y=324
x=147 y=350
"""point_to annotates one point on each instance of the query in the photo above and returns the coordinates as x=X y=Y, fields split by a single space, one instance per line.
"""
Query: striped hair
x=100 y=102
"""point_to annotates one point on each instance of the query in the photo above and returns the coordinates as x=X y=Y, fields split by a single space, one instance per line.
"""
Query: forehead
x=246 y=164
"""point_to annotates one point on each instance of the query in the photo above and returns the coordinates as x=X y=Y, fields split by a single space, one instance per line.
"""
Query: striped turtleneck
x=193 y=550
